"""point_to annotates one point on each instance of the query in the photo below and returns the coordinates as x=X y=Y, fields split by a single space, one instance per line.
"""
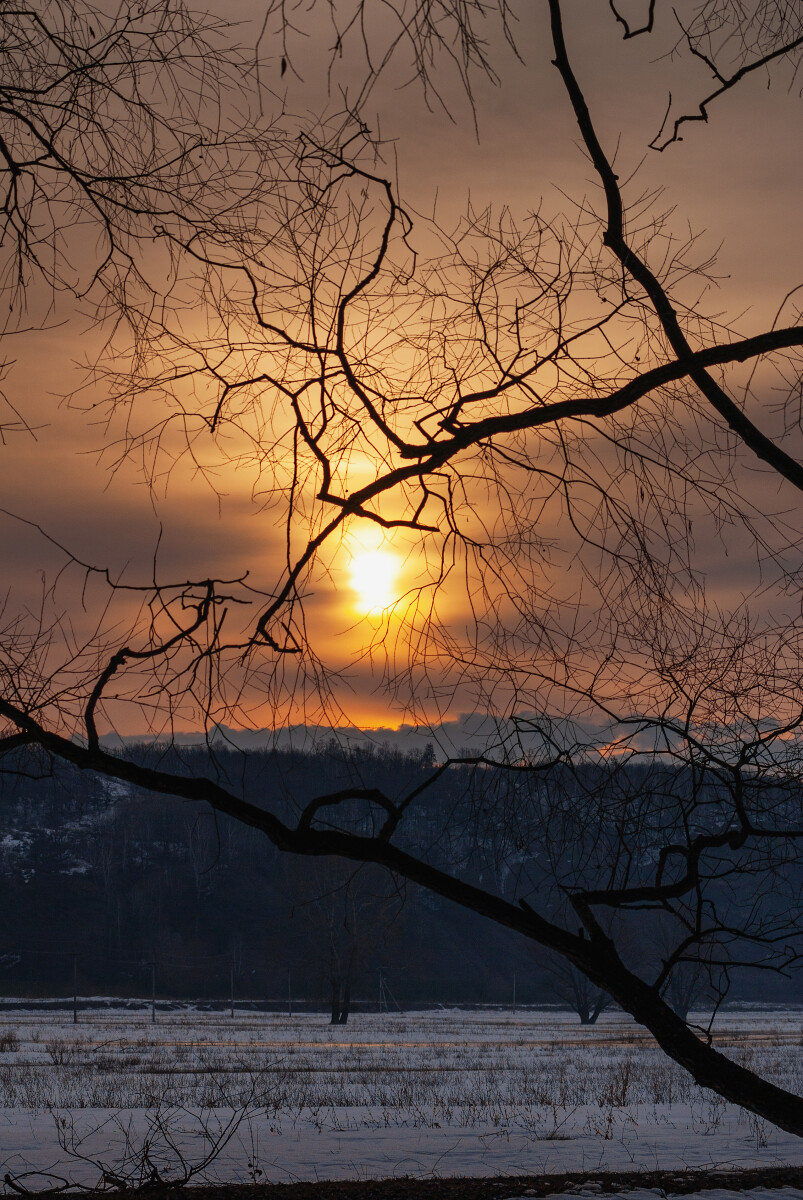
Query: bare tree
x=576 y=990
x=344 y=916
x=123 y=125
x=550 y=413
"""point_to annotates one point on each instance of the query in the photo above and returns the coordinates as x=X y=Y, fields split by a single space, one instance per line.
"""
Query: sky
x=735 y=182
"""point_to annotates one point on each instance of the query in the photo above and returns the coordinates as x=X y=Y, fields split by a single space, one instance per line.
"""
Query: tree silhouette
x=549 y=413
x=115 y=137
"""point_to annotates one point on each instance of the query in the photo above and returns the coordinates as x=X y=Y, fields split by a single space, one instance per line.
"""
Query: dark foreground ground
x=588 y=1185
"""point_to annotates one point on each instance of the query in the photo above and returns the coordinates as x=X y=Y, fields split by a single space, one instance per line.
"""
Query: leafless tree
x=345 y=916
x=574 y=988
x=123 y=125
x=550 y=413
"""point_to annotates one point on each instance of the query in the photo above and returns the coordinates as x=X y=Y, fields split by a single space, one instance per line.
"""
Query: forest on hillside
x=107 y=889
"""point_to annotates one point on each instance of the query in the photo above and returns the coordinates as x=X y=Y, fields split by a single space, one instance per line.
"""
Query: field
x=272 y=1098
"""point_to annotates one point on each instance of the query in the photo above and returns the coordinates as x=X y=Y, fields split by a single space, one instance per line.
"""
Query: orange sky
x=736 y=182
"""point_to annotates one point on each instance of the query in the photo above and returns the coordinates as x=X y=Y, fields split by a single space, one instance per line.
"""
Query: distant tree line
x=108 y=873
x=99 y=880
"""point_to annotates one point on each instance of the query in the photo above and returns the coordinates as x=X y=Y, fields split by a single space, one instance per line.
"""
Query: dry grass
x=462 y=1070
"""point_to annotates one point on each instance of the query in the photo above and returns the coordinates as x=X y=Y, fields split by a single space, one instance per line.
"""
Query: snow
x=10 y=844
x=425 y=1094
x=310 y=1149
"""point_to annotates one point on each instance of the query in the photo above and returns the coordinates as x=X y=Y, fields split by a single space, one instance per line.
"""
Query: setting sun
x=373 y=576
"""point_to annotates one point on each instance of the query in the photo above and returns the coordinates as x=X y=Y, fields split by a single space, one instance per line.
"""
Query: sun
x=373 y=575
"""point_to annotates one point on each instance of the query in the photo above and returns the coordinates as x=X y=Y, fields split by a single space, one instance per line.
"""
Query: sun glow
x=373 y=575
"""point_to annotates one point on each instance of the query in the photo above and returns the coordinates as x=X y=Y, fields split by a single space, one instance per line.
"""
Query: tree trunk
x=341 y=1001
x=600 y=1005
x=707 y=1066
x=345 y=1005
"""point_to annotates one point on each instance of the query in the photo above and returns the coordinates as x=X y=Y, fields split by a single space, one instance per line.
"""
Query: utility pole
x=514 y=991
x=232 y=986
x=289 y=994
x=75 y=988
x=153 y=993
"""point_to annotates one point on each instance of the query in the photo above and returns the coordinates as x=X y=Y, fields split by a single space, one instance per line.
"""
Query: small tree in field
x=576 y=990
x=344 y=917
x=548 y=414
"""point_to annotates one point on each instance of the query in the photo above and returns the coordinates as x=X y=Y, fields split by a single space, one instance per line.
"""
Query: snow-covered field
x=422 y=1094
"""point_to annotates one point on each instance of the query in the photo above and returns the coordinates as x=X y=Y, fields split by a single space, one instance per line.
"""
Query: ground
x=450 y=1105
x=790 y=1179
